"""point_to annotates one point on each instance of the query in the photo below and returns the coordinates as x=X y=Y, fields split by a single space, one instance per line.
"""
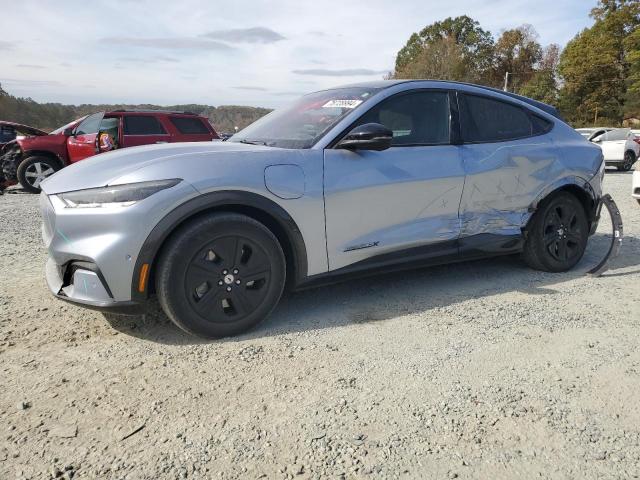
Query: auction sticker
x=342 y=104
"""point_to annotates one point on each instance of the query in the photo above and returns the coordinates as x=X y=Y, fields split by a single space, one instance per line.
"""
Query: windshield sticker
x=342 y=104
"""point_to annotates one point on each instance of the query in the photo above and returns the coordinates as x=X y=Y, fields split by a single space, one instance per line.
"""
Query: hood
x=24 y=129
x=103 y=169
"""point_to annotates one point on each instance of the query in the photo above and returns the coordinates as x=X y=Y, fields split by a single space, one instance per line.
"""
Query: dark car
x=31 y=159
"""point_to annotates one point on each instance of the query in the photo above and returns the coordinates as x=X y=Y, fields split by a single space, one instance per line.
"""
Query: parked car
x=620 y=147
x=9 y=132
x=32 y=159
x=635 y=183
x=373 y=177
x=588 y=132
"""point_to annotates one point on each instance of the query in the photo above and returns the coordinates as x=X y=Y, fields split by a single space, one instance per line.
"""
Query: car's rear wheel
x=629 y=160
x=220 y=275
x=557 y=234
x=33 y=170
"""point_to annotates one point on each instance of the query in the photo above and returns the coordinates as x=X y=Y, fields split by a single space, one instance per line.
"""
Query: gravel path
x=476 y=370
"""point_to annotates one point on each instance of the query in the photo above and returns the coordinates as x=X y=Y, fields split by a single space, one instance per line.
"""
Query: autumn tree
x=516 y=52
x=459 y=40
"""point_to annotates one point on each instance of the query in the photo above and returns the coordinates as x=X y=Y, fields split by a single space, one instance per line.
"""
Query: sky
x=237 y=52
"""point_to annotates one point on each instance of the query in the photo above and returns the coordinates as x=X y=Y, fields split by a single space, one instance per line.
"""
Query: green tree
x=596 y=65
x=473 y=50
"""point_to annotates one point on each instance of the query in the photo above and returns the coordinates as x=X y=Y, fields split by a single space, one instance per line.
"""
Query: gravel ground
x=477 y=370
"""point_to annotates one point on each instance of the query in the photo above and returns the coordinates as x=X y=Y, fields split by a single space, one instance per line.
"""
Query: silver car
x=369 y=177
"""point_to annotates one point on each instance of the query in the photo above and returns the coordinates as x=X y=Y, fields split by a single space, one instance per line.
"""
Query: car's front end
x=93 y=237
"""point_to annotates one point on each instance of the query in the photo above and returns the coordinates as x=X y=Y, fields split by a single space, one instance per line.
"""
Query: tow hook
x=616 y=239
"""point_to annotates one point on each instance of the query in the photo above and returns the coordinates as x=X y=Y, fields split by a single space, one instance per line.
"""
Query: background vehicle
x=619 y=146
x=371 y=177
x=635 y=185
x=33 y=159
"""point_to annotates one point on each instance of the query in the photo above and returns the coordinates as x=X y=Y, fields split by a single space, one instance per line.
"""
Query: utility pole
x=506 y=81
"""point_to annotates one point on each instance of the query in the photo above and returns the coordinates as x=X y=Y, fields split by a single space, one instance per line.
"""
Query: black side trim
x=120 y=308
x=226 y=199
x=470 y=248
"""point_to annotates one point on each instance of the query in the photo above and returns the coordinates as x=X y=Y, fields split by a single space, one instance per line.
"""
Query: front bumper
x=87 y=288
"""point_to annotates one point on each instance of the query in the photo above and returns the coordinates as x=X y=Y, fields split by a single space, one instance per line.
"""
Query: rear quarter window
x=485 y=119
x=142 y=125
x=190 y=125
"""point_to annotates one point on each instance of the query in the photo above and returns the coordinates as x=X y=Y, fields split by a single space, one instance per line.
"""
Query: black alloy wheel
x=220 y=275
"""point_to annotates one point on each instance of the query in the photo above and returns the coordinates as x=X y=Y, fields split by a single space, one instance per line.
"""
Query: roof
x=381 y=84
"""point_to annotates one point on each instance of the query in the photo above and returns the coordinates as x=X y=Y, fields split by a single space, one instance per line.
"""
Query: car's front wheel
x=557 y=235
x=220 y=275
x=33 y=170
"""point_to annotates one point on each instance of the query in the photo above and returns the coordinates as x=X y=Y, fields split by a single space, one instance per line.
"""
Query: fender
x=225 y=200
x=573 y=182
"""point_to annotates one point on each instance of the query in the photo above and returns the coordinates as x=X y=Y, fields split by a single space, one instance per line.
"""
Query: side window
x=89 y=125
x=418 y=118
x=540 y=125
x=189 y=125
x=488 y=120
x=142 y=125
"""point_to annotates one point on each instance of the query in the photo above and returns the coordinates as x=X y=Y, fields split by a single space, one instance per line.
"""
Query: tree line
x=48 y=116
x=595 y=79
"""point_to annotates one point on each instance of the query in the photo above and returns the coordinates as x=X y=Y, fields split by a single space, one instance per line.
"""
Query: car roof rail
x=150 y=110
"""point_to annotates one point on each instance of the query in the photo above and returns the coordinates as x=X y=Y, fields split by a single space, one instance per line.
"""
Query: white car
x=635 y=184
x=620 y=147
x=588 y=132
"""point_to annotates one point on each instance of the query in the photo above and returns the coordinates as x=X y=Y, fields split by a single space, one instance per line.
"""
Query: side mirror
x=68 y=132
x=370 y=136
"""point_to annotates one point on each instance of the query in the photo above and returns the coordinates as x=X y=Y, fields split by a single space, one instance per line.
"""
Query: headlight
x=116 y=195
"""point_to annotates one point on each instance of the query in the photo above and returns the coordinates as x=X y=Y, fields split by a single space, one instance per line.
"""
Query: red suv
x=30 y=160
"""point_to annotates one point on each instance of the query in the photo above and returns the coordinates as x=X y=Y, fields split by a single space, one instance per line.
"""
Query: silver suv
x=375 y=176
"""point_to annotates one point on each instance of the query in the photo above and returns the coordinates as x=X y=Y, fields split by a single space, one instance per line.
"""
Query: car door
x=190 y=128
x=508 y=161
x=400 y=199
x=141 y=129
x=83 y=143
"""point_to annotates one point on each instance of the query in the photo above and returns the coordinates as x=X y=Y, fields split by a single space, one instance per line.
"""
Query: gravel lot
x=476 y=370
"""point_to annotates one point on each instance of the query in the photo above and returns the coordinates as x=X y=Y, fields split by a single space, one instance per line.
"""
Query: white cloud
x=251 y=52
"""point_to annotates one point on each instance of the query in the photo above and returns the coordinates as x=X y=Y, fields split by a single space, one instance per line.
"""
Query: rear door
x=142 y=129
x=191 y=129
x=83 y=143
x=508 y=161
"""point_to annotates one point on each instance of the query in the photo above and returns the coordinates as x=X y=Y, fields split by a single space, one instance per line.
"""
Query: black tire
x=557 y=235
x=629 y=160
x=32 y=170
x=193 y=288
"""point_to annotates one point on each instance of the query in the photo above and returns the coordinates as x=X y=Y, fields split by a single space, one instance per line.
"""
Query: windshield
x=58 y=131
x=305 y=122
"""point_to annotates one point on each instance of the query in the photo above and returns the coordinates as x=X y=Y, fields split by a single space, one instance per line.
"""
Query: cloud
x=6 y=45
x=176 y=43
x=246 y=35
x=258 y=89
x=157 y=59
x=18 y=82
x=347 y=72
x=28 y=65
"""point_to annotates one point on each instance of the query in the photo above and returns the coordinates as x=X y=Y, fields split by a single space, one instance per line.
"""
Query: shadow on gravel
x=384 y=297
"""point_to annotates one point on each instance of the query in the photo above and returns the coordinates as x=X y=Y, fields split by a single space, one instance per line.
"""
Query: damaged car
x=32 y=159
x=367 y=178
